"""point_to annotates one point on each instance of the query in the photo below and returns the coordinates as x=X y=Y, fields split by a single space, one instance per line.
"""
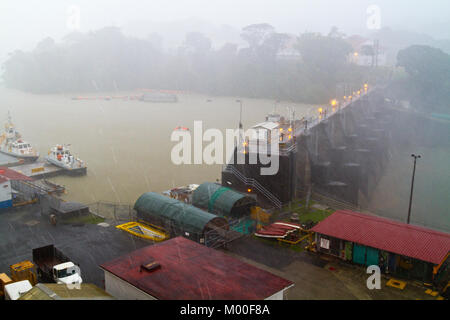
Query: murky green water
x=431 y=194
x=126 y=144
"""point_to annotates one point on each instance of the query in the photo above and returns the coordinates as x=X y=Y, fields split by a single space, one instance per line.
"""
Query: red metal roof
x=9 y=174
x=191 y=271
x=388 y=235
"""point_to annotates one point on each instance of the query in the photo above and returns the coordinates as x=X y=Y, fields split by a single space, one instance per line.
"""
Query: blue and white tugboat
x=60 y=156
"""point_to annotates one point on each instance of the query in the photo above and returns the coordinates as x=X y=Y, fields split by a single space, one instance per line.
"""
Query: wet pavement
x=319 y=276
x=315 y=276
x=89 y=245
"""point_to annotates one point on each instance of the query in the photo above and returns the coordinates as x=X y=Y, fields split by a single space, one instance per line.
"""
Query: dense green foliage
x=107 y=60
x=427 y=84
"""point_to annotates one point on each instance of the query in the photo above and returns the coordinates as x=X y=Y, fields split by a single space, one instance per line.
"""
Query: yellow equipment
x=24 y=270
x=259 y=215
x=4 y=280
x=394 y=283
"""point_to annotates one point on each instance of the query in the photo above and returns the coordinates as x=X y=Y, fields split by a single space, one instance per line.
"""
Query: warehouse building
x=397 y=248
x=181 y=269
x=180 y=219
x=6 y=192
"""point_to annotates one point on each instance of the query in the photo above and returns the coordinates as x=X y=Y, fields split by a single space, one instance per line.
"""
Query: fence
x=112 y=210
x=238 y=228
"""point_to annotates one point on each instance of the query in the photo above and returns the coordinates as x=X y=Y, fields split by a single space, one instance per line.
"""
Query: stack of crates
x=4 y=280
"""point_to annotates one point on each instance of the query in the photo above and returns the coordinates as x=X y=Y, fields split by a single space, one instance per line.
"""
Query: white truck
x=54 y=266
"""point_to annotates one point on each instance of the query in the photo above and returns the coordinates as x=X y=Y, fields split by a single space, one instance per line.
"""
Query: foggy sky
x=25 y=22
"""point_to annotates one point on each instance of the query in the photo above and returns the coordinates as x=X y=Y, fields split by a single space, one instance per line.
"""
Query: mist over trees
x=106 y=60
x=427 y=84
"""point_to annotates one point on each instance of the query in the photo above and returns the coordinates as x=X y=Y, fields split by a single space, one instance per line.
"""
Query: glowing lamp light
x=290 y=129
x=281 y=129
x=249 y=190
x=355 y=54
x=333 y=102
x=345 y=97
x=320 y=110
x=365 y=85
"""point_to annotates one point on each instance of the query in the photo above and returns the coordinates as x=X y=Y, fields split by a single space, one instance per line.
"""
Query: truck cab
x=67 y=273
x=53 y=265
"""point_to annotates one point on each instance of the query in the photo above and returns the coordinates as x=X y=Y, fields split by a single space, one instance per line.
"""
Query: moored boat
x=60 y=156
x=11 y=143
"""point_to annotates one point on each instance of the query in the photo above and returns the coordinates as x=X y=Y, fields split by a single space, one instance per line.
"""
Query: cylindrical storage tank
x=222 y=200
x=178 y=218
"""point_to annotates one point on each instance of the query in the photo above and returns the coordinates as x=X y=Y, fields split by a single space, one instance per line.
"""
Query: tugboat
x=60 y=156
x=11 y=143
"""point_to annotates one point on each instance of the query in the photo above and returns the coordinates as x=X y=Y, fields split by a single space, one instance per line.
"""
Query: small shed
x=222 y=200
x=179 y=218
x=67 y=209
x=405 y=250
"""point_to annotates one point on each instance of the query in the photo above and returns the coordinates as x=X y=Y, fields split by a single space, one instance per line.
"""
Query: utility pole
x=412 y=185
x=240 y=113
x=241 y=134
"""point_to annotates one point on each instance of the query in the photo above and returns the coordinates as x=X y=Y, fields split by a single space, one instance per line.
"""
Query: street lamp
x=412 y=185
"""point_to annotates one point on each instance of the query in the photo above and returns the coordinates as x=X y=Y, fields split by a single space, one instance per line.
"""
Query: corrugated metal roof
x=190 y=271
x=269 y=125
x=53 y=291
x=388 y=235
x=9 y=174
x=189 y=218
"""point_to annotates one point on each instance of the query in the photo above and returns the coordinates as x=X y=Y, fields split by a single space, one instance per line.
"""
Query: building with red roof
x=181 y=269
x=400 y=248
x=6 y=176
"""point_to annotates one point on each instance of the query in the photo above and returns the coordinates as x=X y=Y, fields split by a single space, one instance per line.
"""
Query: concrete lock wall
x=123 y=290
x=342 y=157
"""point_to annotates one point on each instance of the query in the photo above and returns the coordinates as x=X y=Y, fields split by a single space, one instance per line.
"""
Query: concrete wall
x=123 y=290
x=342 y=157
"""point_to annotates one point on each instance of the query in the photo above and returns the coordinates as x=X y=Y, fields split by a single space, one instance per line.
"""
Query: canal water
x=127 y=147
x=126 y=144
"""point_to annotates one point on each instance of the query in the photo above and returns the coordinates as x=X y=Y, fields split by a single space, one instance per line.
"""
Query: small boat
x=278 y=230
x=145 y=231
x=60 y=156
x=181 y=129
x=11 y=143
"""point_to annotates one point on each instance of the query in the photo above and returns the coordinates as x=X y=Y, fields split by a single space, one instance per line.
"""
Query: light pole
x=241 y=134
x=412 y=185
x=240 y=114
